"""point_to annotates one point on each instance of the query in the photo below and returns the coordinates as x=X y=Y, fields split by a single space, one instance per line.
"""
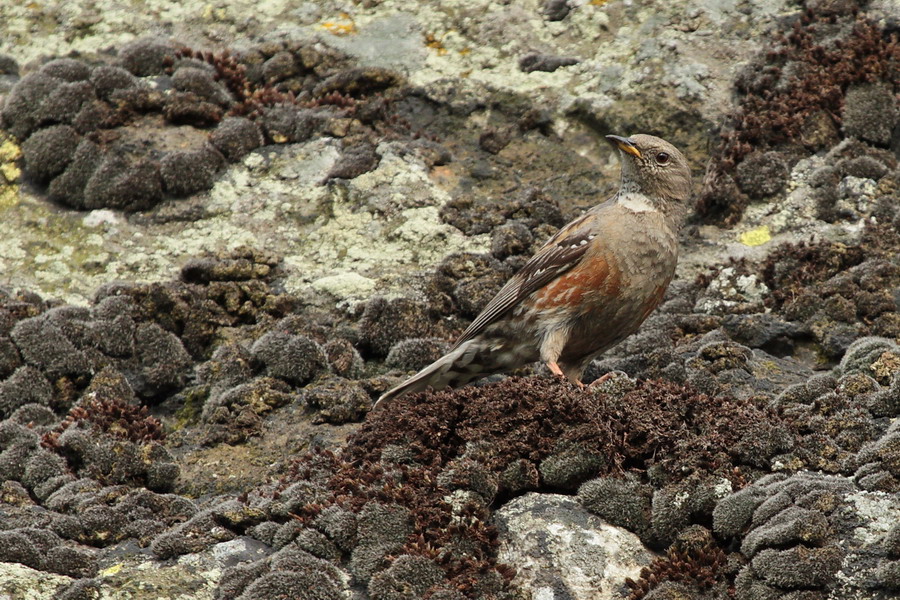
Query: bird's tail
x=457 y=367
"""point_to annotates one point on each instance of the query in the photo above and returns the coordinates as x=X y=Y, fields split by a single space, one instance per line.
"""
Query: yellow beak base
x=625 y=145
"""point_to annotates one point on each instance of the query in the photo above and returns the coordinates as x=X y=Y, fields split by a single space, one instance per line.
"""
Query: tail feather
x=452 y=369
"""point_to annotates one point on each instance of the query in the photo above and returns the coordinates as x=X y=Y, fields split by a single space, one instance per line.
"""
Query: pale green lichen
x=191 y=577
x=24 y=583
x=33 y=30
x=340 y=237
x=349 y=286
x=274 y=200
x=404 y=234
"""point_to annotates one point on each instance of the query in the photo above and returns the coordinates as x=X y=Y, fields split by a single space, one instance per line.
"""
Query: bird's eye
x=662 y=158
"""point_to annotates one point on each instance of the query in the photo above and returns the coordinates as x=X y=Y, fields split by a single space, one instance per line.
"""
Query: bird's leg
x=551 y=347
x=554 y=368
x=600 y=379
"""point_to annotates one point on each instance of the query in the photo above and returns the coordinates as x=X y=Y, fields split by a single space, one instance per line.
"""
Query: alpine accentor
x=590 y=286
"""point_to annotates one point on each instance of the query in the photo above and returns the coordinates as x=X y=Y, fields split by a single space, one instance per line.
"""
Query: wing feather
x=559 y=254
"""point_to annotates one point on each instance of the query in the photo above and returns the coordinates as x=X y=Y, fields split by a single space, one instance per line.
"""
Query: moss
x=48 y=151
x=353 y=163
x=570 y=464
x=798 y=567
x=138 y=155
x=415 y=353
x=762 y=174
x=870 y=112
x=186 y=173
x=408 y=578
x=295 y=358
x=386 y=322
x=697 y=567
x=308 y=585
x=511 y=239
x=382 y=530
x=235 y=137
x=337 y=400
x=432 y=462
x=621 y=502
x=24 y=386
x=147 y=56
x=44 y=346
x=783 y=93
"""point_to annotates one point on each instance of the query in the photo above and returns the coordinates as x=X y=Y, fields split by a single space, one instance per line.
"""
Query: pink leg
x=554 y=368
x=600 y=379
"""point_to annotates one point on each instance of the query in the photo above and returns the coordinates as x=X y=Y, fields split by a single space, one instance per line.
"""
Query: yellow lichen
x=756 y=237
x=345 y=26
x=9 y=171
x=886 y=367
x=111 y=570
x=9 y=149
x=435 y=44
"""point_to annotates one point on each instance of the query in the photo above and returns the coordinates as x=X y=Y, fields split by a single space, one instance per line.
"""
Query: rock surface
x=560 y=550
x=228 y=228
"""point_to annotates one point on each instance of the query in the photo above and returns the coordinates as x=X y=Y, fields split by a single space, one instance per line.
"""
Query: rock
x=562 y=551
x=798 y=537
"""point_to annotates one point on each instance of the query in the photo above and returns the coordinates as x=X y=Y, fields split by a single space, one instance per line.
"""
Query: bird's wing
x=559 y=254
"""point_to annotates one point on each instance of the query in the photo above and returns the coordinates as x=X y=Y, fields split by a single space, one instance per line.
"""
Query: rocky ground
x=229 y=227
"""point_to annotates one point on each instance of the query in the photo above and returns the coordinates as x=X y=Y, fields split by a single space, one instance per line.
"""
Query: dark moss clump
x=111 y=408
x=762 y=174
x=102 y=136
x=386 y=322
x=294 y=358
x=217 y=292
x=235 y=137
x=468 y=281
x=821 y=291
x=531 y=208
x=792 y=268
x=354 y=162
x=829 y=66
x=870 y=113
x=838 y=292
x=698 y=563
x=415 y=353
x=49 y=151
x=189 y=172
x=478 y=444
x=795 y=524
x=544 y=62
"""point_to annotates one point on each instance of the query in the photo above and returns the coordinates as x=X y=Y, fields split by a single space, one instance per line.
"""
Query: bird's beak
x=625 y=145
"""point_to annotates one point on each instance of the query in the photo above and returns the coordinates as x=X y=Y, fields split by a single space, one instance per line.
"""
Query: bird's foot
x=554 y=368
x=601 y=379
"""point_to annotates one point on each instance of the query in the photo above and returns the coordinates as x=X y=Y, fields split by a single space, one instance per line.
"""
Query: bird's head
x=656 y=169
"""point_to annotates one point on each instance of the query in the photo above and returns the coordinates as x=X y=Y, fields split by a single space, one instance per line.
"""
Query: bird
x=588 y=287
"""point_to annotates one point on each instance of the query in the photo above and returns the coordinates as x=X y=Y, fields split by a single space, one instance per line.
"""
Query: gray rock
x=562 y=551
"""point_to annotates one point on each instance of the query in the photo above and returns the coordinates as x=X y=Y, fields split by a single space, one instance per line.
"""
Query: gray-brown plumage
x=591 y=285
